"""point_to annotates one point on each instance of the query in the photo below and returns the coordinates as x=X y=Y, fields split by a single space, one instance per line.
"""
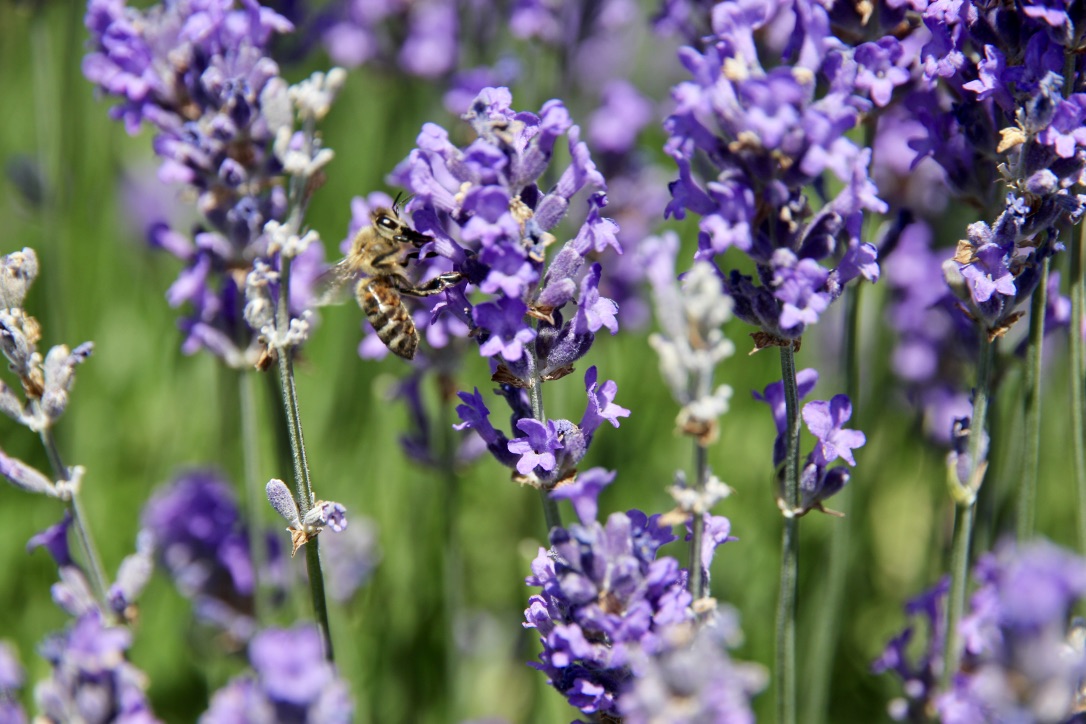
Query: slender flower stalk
x=786 y=604
x=1078 y=373
x=250 y=453
x=79 y=519
x=1027 y=494
x=965 y=496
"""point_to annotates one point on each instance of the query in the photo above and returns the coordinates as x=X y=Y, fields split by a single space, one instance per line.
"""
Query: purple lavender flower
x=199 y=538
x=1019 y=663
x=604 y=597
x=825 y=420
x=693 y=680
x=200 y=74
x=492 y=221
x=773 y=395
x=766 y=137
x=292 y=683
x=919 y=670
x=12 y=678
x=537 y=447
x=91 y=681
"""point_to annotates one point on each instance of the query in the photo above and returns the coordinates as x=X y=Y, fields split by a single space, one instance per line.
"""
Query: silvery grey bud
x=11 y=405
x=280 y=498
x=133 y=574
x=259 y=308
x=17 y=272
x=19 y=334
x=23 y=476
x=59 y=368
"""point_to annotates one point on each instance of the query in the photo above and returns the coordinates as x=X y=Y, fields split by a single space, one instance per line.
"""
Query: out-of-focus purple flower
x=1019 y=661
x=12 y=678
x=55 y=541
x=91 y=681
x=693 y=680
x=605 y=597
x=919 y=668
x=350 y=558
x=613 y=128
x=200 y=540
x=201 y=75
x=292 y=683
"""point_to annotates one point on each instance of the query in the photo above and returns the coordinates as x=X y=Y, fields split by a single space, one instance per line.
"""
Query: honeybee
x=377 y=265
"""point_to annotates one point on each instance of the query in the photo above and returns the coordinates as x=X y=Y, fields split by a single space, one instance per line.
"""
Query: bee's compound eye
x=387 y=222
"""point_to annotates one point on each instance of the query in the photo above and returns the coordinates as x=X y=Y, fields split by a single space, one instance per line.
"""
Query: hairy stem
x=786 y=606
x=966 y=505
x=698 y=574
x=1027 y=493
x=254 y=492
x=79 y=520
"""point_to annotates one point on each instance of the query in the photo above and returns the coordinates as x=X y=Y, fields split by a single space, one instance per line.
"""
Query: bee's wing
x=335 y=285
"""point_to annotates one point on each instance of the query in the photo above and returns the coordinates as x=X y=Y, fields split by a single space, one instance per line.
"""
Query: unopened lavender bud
x=278 y=237
x=672 y=369
x=19 y=333
x=280 y=498
x=17 y=272
x=73 y=592
x=952 y=273
x=275 y=105
x=11 y=405
x=60 y=367
x=707 y=306
x=259 y=308
x=133 y=574
x=294 y=245
x=23 y=476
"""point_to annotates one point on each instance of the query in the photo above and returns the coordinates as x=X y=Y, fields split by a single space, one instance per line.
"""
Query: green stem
x=453 y=568
x=698 y=574
x=966 y=504
x=79 y=520
x=786 y=607
x=824 y=637
x=254 y=492
x=303 y=486
x=1078 y=373
x=1027 y=494
x=551 y=515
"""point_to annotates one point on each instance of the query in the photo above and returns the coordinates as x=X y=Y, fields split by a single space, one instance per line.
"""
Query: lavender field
x=538 y=362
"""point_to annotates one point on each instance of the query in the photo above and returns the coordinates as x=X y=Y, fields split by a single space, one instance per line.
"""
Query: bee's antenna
x=397 y=204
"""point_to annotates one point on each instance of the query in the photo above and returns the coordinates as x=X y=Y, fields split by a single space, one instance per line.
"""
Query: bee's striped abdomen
x=388 y=315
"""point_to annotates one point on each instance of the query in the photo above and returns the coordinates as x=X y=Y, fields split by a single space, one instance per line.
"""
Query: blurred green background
x=141 y=412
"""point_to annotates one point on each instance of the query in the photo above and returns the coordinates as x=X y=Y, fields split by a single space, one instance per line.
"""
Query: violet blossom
x=767 y=137
x=606 y=598
x=201 y=76
x=291 y=683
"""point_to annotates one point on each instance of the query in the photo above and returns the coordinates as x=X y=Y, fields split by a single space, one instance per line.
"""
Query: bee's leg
x=434 y=286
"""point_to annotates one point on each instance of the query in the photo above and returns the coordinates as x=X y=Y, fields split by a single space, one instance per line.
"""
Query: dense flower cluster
x=1024 y=656
x=825 y=420
x=694 y=680
x=293 y=684
x=768 y=137
x=12 y=678
x=606 y=597
x=199 y=538
x=91 y=681
x=199 y=73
